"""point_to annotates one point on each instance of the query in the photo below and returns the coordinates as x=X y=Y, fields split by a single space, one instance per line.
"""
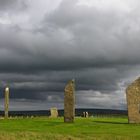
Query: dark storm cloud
x=12 y=5
x=97 y=47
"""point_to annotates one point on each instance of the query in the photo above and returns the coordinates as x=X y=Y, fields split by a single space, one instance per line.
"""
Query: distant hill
x=79 y=112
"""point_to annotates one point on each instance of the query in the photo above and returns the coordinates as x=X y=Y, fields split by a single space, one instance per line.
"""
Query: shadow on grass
x=110 y=122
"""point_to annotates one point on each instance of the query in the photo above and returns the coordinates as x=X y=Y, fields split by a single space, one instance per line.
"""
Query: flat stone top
x=53 y=108
x=71 y=81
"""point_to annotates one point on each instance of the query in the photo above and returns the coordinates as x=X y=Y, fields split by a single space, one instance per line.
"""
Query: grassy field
x=43 y=128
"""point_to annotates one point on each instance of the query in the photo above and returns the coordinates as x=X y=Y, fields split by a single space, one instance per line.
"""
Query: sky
x=46 y=43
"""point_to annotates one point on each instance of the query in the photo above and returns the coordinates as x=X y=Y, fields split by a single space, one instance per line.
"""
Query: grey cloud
x=101 y=100
x=99 y=37
x=99 y=48
x=12 y=5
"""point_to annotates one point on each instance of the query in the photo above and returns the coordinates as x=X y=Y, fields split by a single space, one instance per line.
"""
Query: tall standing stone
x=69 y=102
x=133 y=101
x=6 y=104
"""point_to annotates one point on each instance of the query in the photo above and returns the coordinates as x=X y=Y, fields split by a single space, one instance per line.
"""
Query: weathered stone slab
x=69 y=102
x=85 y=114
x=6 y=103
x=54 y=112
x=133 y=101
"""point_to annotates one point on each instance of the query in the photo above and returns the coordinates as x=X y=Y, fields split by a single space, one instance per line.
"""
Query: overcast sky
x=46 y=43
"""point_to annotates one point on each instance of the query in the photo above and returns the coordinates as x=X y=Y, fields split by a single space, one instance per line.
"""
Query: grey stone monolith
x=133 y=101
x=69 y=102
x=54 y=112
x=6 y=103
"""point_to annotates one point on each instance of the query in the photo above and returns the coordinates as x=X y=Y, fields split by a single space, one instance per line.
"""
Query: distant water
x=78 y=112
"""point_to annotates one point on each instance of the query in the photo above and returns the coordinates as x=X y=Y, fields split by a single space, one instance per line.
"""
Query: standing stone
x=133 y=101
x=6 y=105
x=86 y=115
x=54 y=112
x=69 y=101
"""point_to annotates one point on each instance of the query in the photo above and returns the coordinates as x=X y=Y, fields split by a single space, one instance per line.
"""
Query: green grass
x=43 y=128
